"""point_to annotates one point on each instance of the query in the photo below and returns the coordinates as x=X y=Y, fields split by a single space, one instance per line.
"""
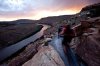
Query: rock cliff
x=89 y=46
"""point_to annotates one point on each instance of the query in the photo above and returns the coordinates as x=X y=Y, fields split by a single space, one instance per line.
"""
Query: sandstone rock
x=28 y=53
x=88 y=47
x=89 y=50
x=47 y=56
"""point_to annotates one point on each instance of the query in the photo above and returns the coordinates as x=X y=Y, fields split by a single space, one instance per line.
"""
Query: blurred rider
x=68 y=34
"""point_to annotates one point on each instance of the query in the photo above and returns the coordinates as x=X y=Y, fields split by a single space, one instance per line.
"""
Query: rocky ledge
x=46 y=56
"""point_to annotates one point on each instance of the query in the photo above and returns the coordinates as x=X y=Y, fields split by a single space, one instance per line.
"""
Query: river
x=10 y=50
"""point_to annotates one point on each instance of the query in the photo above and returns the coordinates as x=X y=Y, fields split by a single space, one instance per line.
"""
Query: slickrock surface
x=47 y=56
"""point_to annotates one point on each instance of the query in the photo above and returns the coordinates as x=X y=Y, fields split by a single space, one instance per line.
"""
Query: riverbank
x=12 y=34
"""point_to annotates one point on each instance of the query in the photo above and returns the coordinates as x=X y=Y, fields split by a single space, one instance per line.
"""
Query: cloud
x=34 y=8
x=93 y=1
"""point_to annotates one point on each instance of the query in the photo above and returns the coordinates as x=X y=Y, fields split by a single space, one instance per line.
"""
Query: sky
x=37 y=9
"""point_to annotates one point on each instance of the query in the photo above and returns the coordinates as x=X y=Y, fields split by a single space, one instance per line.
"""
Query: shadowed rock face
x=89 y=50
x=47 y=56
x=89 y=47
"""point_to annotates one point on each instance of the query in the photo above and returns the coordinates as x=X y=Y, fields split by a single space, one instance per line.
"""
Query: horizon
x=30 y=9
x=33 y=19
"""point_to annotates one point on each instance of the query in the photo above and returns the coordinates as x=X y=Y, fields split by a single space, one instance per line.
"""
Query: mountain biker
x=68 y=34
